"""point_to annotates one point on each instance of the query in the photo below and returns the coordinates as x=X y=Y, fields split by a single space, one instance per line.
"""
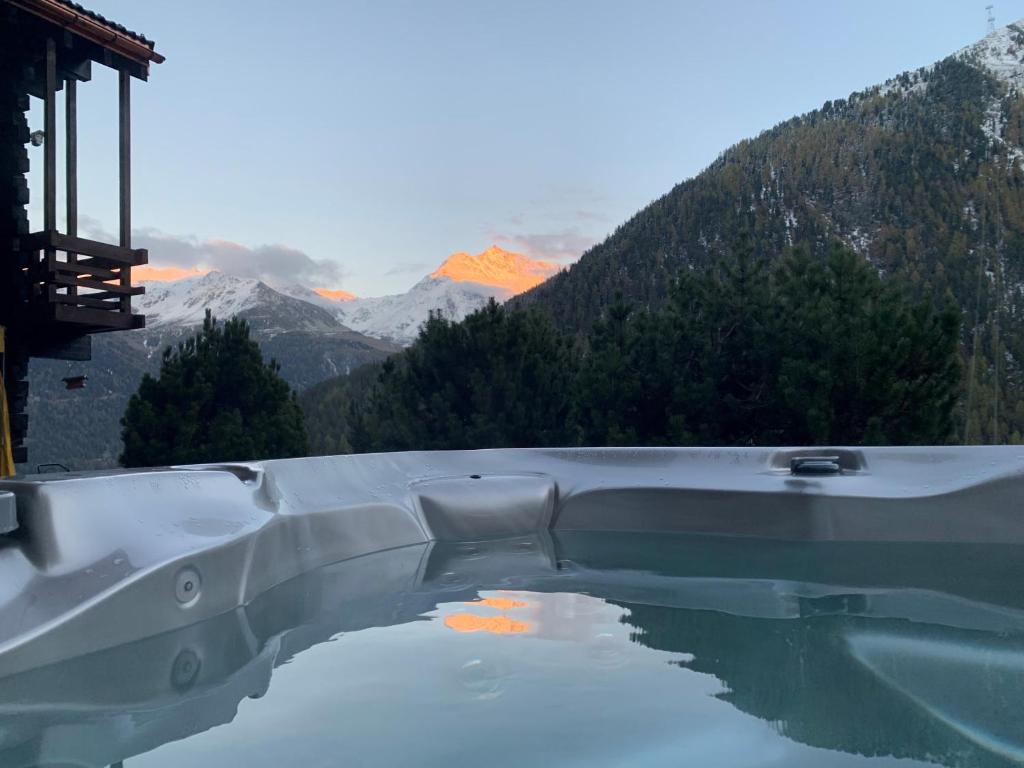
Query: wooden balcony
x=74 y=286
x=83 y=285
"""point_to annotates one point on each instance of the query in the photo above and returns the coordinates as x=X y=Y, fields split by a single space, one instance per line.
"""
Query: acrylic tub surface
x=900 y=575
x=105 y=555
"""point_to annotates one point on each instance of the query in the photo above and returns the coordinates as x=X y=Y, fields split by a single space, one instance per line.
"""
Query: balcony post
x=125 y=172
x=71 y=165
x=50 y=139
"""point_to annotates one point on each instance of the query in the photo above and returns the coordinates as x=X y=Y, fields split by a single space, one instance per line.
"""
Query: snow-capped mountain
x=321 y=297
x=292 y=323
x=461 y=285
x=497 y=268
x=398 y=318
x=184 y=302
x=1000 y=52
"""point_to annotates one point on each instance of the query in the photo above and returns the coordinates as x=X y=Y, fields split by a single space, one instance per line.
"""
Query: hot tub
x=731 y=607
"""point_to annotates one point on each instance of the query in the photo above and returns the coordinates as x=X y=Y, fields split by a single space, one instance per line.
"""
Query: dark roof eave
x=93 y=27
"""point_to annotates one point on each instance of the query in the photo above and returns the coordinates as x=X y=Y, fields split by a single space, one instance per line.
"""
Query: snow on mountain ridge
x=461 y=285
x=270 y=309
x=398 y=317
x=184 y=301
x=303 y=293
x=1000 y=52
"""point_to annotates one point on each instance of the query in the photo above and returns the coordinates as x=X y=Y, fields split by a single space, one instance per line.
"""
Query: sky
x=356 y=144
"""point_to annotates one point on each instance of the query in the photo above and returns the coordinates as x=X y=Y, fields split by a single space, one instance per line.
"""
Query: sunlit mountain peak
x=334 y=294
x=496 y=267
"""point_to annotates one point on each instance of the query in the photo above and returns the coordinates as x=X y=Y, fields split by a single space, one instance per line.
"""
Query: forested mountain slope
x=922 y=176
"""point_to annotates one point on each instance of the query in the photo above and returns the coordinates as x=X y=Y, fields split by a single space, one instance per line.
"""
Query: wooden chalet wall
x=56 y=288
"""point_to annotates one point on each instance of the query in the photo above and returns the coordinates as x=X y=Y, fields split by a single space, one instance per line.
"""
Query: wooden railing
x=90 y=287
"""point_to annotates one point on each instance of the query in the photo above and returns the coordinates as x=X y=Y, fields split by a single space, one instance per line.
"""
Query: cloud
x=564 y=246
x=274 y=263
x=584 y=215
x=408 y=266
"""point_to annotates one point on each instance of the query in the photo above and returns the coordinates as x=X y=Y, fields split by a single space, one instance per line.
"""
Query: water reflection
x=495 y=625
x=501 y=603
x=645 y=652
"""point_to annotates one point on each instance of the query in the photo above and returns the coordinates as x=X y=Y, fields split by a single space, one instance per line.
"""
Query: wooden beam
x=81 y=268
x=81 y=282
x=125 y=167
x=125 y=157
x=115 y=293
x=71 y=165
x=50 y=138
x=89 y=300
x=96 y=318
x=39 y=241
x=86 y=301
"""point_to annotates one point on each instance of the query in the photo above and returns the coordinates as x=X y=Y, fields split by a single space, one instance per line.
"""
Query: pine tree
x=214 y=400
x=610 y=388
x=813 y=351
x=736 y=317
x=859 y=362
x=497 y=379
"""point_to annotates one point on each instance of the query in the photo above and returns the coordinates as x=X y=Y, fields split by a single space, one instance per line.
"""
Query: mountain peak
x=184 y=301
x=334 y=294
x=1001 y=52
x=496 y=267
